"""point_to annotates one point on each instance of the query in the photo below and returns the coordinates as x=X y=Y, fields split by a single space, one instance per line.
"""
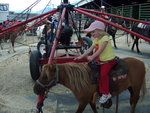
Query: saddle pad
x=119 y=71
x=117 y=74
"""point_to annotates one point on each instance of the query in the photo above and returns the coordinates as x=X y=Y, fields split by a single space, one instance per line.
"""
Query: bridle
x=51 y=83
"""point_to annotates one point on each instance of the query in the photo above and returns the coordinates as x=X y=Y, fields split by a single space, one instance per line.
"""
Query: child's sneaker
x=104 y=98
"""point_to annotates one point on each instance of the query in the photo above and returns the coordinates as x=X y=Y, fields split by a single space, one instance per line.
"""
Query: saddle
x=117 y=74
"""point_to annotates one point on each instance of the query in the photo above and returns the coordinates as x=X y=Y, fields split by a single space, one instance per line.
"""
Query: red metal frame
x=82 y=11
x=38 y=21
x=27 y=21
x=108 y=14
x=62 y=59
x=70 y=58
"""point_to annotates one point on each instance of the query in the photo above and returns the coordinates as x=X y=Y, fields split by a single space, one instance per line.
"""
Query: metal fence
x=138 y=11
x=144 y=11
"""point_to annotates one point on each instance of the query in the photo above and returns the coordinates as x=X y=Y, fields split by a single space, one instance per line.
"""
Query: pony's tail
x=143 y=89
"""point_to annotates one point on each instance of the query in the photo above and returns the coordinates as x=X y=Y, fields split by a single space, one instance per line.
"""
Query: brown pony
x=12 y=35
x=77 y=77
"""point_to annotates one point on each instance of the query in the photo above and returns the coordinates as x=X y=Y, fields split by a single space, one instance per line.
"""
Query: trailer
x=4 y=12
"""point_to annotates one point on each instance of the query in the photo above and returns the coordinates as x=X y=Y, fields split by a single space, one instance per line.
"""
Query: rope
x=46 y=6
x=117 y=103
x=25 y=44
x=27 y=10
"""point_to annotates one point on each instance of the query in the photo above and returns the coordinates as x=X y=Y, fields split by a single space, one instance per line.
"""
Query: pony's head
x=47 y=79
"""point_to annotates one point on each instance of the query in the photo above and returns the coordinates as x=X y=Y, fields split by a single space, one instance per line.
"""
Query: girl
x=102 y=52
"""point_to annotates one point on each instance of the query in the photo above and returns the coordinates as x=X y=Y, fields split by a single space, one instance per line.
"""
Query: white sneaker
x=104 y=98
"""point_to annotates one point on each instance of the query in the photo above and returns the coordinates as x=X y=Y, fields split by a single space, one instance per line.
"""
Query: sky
x=23 y=4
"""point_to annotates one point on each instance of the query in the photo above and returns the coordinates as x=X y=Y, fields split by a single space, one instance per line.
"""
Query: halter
x=51 y=83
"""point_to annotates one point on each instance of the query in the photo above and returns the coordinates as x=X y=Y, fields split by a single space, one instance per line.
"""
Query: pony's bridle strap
x=51 y=83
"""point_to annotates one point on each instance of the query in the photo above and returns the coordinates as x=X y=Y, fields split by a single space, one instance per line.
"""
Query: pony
x=142 y=29
x=12 y=35
x=77 y=77
x=113 y=30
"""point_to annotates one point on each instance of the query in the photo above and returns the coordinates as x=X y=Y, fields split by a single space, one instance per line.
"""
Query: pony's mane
x=78 y=75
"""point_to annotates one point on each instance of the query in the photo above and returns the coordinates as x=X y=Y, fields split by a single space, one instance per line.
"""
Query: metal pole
x=57 y=36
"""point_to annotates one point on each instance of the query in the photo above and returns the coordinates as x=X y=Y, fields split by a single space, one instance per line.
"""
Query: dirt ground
x=16 y=85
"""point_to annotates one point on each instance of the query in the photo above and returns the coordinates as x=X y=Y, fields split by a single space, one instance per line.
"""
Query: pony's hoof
x=107 y=104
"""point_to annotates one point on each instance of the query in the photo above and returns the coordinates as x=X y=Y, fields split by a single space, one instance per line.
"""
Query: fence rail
x=138 y=11
x=144 y=11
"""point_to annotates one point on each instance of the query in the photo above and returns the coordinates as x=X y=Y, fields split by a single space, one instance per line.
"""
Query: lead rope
x=117 y=103
x=103 y=110
x=40 y=103
x=42 y=97
x=117 y=97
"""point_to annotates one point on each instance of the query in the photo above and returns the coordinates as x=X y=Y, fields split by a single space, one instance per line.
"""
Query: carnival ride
x=38 y=57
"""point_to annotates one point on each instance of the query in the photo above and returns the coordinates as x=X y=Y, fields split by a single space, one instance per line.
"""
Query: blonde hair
x=103 y=33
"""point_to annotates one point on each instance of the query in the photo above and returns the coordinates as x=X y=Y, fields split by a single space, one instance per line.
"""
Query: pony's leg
x=10 y=47
x=0 y=53
x=1 y=45
x=93 y=106
x=13 y=47
x=133 y=45
x=131 y=94
x=13 y=43
x=134 y=98
x=133 y=102
x=113 y=37
x=137 y=44
x=81 y=107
